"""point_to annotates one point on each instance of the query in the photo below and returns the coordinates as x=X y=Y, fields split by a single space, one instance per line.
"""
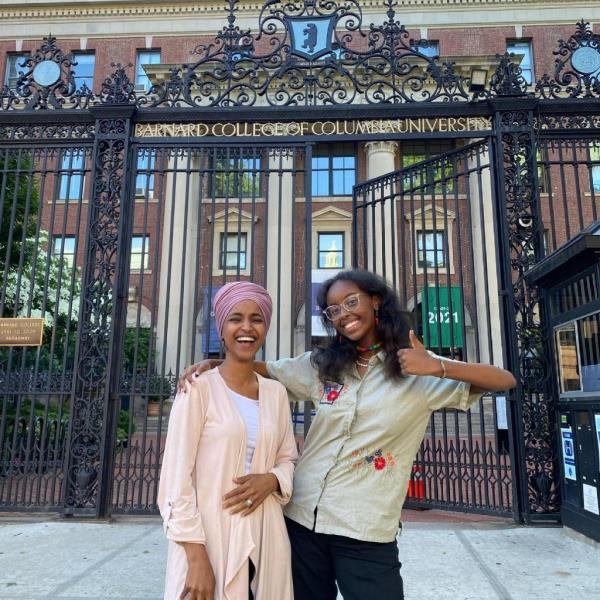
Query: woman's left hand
x=416 y=360
x=254 y=487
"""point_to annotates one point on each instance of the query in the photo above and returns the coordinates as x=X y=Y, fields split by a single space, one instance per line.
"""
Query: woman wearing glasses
x=375 y=386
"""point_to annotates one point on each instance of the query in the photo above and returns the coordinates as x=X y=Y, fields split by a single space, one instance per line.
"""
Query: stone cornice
x=108 y=18
x=53 y=9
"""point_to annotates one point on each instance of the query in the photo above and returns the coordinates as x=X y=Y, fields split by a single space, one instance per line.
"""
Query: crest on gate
x=311 y=38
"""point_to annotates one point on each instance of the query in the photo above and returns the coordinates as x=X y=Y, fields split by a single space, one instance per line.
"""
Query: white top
x=249 y=412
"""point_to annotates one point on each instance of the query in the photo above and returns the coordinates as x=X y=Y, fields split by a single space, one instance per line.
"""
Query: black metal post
x=93 y=407
x=520 y=246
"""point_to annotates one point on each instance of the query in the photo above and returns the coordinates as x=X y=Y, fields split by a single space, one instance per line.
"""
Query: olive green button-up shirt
x=359 y=452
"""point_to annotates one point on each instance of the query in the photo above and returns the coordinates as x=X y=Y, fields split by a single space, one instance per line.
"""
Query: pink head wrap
x=235 y=292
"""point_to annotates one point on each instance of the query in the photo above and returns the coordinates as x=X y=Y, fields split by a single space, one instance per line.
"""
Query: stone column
x=178 y=267
x=381 y=228
x=280 y=240
x=489 y=322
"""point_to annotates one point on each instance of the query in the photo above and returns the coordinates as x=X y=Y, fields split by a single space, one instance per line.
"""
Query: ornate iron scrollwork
x=85 y=450
x=48 y=81
x=526 y=248
x=306 y=53
x=117 y=89
x=508 y=78
x=317 y=53
x=54 y=131
x=577 y=67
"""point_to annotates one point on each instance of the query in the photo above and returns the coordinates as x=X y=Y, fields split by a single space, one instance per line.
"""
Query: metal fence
x=216 y=214
x=118 y=239
x=41 y=189
x=430 y=229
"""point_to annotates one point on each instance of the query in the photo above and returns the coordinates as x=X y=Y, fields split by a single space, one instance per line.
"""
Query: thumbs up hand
x=416 y=360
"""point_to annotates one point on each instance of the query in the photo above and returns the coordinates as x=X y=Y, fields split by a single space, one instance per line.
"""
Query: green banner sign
x=442 y=316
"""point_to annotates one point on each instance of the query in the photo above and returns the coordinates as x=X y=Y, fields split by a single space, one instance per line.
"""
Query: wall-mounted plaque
x=21 y=332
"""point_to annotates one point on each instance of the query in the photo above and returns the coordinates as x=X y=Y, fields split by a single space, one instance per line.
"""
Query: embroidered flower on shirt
x=379 y=460
x=379 y=463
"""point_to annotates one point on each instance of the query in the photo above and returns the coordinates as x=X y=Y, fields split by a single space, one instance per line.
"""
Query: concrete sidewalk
x=56 y=559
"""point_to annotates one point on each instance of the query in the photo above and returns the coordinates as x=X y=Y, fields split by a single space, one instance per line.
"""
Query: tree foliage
x=20 y=205
x=34 y=281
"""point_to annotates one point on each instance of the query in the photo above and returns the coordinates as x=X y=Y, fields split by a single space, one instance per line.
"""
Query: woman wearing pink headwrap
x=227 y=468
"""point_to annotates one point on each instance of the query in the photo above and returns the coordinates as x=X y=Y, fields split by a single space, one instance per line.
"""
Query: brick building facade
x=231 y=233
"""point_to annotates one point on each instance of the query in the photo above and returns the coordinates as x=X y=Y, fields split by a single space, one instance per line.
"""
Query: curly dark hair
x=337 y=354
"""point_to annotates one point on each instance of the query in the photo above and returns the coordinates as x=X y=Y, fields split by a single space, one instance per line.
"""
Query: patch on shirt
x=331 y=392
x=380 y=460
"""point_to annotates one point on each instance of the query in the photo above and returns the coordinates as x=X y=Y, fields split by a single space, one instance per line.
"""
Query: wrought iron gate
x=83 y=175
x=431 y=230
x=202 y=196
x=39 y=187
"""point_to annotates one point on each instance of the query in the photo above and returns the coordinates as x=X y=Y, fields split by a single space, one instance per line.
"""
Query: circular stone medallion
x=46 y=73
x=586 y=60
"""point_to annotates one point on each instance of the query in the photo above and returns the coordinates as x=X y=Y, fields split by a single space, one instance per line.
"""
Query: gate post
x=92 y=425
x=520 y=246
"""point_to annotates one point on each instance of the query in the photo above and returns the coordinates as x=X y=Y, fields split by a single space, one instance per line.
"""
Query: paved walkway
x=442 y=560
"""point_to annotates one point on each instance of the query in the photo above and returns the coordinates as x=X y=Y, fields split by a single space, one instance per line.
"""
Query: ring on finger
x=248 y=502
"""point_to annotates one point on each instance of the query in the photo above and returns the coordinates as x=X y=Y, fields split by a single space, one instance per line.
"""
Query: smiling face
x=244 y=331
x=358 y=325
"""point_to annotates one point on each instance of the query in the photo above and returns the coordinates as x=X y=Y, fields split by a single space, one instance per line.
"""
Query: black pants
x=363 y=570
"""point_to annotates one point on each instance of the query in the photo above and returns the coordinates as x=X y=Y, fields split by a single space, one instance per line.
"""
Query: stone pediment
x=332 y=213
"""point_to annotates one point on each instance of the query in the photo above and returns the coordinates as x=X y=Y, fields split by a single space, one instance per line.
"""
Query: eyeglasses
x=349 y=303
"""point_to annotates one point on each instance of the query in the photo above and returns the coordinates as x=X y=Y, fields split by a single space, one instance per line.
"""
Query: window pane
x=233 y=241
x=567 y=358
x=145 y=57
x=64 y=247
x=331 y=250
x=14 y=68
x=429 y=49
x=140 y=245
x=589 y=350
x=250 y=164
x=338 y=183
x=334 y=169
x=84 y=70
x=349 y=181
x=338 y=162
x=524 y=49
x=236 y=177
x=349 y=162
x=71 y=175
x=414 y=152
x=411 y=159
x=250 y=184
x=144 y=181
x=596 y=178
x=430 y=249
x=230 y=256
x=343 y=182
x=595 y=160
x=320 y=183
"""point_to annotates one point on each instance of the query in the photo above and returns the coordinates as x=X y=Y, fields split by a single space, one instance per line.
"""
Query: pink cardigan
x=205 y=450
